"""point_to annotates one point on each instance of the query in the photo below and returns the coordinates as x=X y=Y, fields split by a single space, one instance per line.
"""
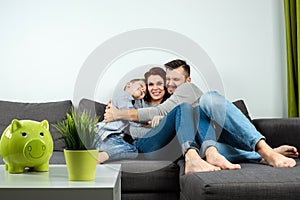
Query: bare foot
x=215 y=158
x=272 y=157
x=102 y=157
x=287 y=150
x=193 y=163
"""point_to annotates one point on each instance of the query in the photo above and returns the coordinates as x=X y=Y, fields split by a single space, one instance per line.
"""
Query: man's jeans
x=238 y=138
x=237 y=141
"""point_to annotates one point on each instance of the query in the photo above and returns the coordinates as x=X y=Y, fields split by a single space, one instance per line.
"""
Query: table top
x=57 y=177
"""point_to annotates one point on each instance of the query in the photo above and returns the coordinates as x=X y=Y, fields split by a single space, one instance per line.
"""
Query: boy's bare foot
x=193 y=163
x=215 y=158
x=272 y=157
x=287 y=150
x=102 y=157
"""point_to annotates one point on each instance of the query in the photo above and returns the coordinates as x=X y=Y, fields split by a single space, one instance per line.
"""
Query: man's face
x=175 y=78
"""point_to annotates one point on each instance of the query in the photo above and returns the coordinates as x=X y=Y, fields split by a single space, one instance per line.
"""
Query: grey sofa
x=163 y=179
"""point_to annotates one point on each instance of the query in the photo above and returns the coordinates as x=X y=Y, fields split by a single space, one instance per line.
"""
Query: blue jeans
x=150 y=145
x=237 y=141
x=177 y=123
x=237 y=138
x=117 y=148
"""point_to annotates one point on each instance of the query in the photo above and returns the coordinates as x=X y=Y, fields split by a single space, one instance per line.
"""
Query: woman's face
x=156 y=88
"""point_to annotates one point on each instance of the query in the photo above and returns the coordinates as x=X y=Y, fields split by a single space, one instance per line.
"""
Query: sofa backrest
x=55 y=112
x=52 y=111
x=240 y=104
x=93 y=107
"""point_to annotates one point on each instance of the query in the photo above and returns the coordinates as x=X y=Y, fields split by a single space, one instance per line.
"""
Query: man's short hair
x=179 y=63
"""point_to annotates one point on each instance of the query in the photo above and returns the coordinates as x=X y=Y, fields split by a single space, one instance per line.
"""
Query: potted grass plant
x=79 y=134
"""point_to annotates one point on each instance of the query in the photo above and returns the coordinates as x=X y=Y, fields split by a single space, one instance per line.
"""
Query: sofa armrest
x=279 y=131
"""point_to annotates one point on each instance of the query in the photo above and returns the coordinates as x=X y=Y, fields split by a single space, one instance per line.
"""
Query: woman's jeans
x=236 y=142
x=174 y=123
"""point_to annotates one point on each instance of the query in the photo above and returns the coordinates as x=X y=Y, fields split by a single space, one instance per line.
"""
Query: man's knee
x=207 y=99
x=185 y=106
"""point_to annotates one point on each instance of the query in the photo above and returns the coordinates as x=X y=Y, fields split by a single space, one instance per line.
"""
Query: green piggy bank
x=26 y=144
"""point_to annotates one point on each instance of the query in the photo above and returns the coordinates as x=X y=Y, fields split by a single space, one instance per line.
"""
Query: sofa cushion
x=52 y=111
x=149 y=176
x=253 y=181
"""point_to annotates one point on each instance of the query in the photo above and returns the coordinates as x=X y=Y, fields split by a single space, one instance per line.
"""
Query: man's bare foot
x=272 y=157
x=193 y=163
x=102 y=157
x=287 y=150
x=215 y=158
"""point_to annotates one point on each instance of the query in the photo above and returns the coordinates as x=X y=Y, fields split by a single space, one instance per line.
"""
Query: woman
x=117 y=146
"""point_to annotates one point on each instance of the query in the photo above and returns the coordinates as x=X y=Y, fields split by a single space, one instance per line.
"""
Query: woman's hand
x=155 y=121
x=111 y=113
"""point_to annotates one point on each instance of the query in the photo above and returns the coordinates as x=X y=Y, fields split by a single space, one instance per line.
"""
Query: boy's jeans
x=117 y=148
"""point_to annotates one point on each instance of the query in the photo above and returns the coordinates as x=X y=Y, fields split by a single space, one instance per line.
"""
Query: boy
x=111 y=133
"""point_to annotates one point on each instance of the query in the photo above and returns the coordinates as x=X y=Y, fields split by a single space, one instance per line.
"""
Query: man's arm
x=113 y=114
x=188 y=93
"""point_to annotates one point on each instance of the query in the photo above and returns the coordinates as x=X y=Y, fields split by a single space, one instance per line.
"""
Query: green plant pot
x=81 y=164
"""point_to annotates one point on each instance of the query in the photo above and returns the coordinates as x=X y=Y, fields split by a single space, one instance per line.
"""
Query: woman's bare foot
x=102 y=157
x=193 y=163
x=215 y=158
x=272 y=157
x=287 y=150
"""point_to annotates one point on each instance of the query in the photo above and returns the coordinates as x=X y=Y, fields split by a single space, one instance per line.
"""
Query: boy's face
x=137 y=89
x=174 y=78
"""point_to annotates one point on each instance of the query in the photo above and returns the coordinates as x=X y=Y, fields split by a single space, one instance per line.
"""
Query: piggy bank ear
x=45 y=124
x=15 y=125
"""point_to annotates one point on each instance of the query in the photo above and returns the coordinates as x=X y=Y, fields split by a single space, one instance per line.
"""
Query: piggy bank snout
x=35 y=149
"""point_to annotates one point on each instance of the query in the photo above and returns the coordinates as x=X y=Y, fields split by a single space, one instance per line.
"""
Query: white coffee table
x=55 y=185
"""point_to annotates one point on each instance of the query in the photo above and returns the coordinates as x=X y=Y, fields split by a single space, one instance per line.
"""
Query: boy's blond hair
x=133 y=81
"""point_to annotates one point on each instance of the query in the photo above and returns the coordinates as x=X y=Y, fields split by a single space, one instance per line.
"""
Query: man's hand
x=155 y=121
x=111 y=113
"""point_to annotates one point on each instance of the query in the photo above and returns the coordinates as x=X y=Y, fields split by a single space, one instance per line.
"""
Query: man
x=183 y=91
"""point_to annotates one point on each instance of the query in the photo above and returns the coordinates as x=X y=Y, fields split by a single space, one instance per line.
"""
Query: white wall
x=43 y=45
